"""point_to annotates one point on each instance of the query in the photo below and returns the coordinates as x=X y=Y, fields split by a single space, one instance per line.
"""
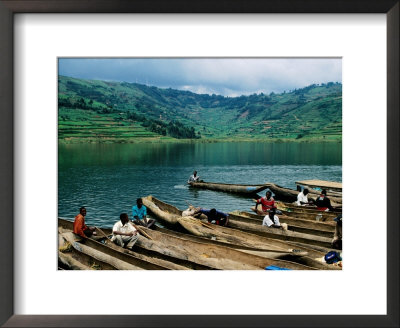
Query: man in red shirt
x=266 y=202
x=80 y=228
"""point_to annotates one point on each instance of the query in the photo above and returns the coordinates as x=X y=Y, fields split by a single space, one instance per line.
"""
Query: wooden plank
x=321 y=184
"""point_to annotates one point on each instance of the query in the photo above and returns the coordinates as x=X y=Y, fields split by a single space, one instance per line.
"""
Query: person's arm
x=80 y=230
x=132 y=233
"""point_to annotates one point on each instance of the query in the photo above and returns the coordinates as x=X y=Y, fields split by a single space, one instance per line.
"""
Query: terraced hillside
x=127 y=112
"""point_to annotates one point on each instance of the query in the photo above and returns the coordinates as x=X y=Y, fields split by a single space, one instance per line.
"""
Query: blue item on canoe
x=274 y=267
x=332 y=257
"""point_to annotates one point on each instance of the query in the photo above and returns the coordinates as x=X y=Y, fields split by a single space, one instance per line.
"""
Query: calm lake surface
x=107 y=178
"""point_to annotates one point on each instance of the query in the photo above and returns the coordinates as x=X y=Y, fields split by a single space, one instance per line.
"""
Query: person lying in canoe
x=124 y=233
x=323 y=203
x=271 y=220
x=139 y=213
x=80 y=228
x=266 y=203
x=194 y=177
x=302 y=198
x=214 y=216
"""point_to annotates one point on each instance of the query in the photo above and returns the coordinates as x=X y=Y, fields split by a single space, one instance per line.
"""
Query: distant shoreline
x=172 y=140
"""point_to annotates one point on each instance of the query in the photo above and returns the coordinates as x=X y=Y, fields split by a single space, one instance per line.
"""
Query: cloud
x=227 y=76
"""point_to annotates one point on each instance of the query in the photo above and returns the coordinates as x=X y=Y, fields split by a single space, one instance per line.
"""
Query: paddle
x=102 y=232
x=142 y=231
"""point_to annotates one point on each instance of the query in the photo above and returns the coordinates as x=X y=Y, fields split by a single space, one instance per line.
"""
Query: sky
x=228 y=76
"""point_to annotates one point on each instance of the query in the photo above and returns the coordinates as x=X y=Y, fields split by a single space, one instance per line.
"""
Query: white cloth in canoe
x=301 y=198
x=268 y=222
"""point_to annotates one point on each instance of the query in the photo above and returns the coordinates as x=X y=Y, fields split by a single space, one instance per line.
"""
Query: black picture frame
x=10 y=7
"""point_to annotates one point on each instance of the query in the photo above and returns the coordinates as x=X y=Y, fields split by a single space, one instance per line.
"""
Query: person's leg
x=88 y=233
x=131 y=241
x=118 y=240
x=150 y=223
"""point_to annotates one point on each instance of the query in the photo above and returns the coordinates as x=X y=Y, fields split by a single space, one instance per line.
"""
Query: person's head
x=139 y=202
x=124 y=218
x=268 y=194
x=305 y=191
x=271 y=212
x=82 y=211
x=194 y=173
x=213 y=212
x=323 y=192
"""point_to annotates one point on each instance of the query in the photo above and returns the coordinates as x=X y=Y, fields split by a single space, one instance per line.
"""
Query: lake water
x=107 y=178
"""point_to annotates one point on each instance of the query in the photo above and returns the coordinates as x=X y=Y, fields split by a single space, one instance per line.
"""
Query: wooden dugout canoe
x=145 y=259
x=302 y=255
x=257 y=243
x=295 y=225
x=206 y=255
x=330 y=186
x=171 y=214
x=290 y=195
x=233 y=236
x=227 y=187
x=72 y=259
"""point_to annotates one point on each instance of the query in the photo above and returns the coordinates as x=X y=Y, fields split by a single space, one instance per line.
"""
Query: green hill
x=127 y=112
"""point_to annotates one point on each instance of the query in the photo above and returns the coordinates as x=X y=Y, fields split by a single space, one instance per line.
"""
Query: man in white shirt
x=302 y=199
x=272 y=221
x=194 y=177
x=124 y=233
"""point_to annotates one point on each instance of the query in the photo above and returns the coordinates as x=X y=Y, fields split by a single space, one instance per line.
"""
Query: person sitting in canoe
x=271 y=220
x=124 y=233
x=80 y=228
x=302 y=199
x=323 y=203
x=214 y=216
x=139 y=213
x=337 y=238
x=266 y=202
x=194 y=177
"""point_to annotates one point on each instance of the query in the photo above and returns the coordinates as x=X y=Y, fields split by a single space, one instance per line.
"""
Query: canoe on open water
x=171 y=214
x=205 y=255
x=233 y=188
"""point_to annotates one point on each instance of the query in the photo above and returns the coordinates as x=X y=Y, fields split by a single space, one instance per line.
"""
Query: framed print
x=35 y=35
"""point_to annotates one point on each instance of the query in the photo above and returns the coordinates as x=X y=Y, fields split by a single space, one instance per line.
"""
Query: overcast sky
x=228 y=77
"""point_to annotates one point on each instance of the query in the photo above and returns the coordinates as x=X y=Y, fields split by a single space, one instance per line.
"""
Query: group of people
x=323 y=203
x=266 y=206
x=124 y=232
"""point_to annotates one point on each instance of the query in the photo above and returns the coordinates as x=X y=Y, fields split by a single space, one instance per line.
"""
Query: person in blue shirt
x=139 y=213
x=214 y=216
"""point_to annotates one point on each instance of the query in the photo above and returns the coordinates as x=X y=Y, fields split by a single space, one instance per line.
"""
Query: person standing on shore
x=80 y=228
